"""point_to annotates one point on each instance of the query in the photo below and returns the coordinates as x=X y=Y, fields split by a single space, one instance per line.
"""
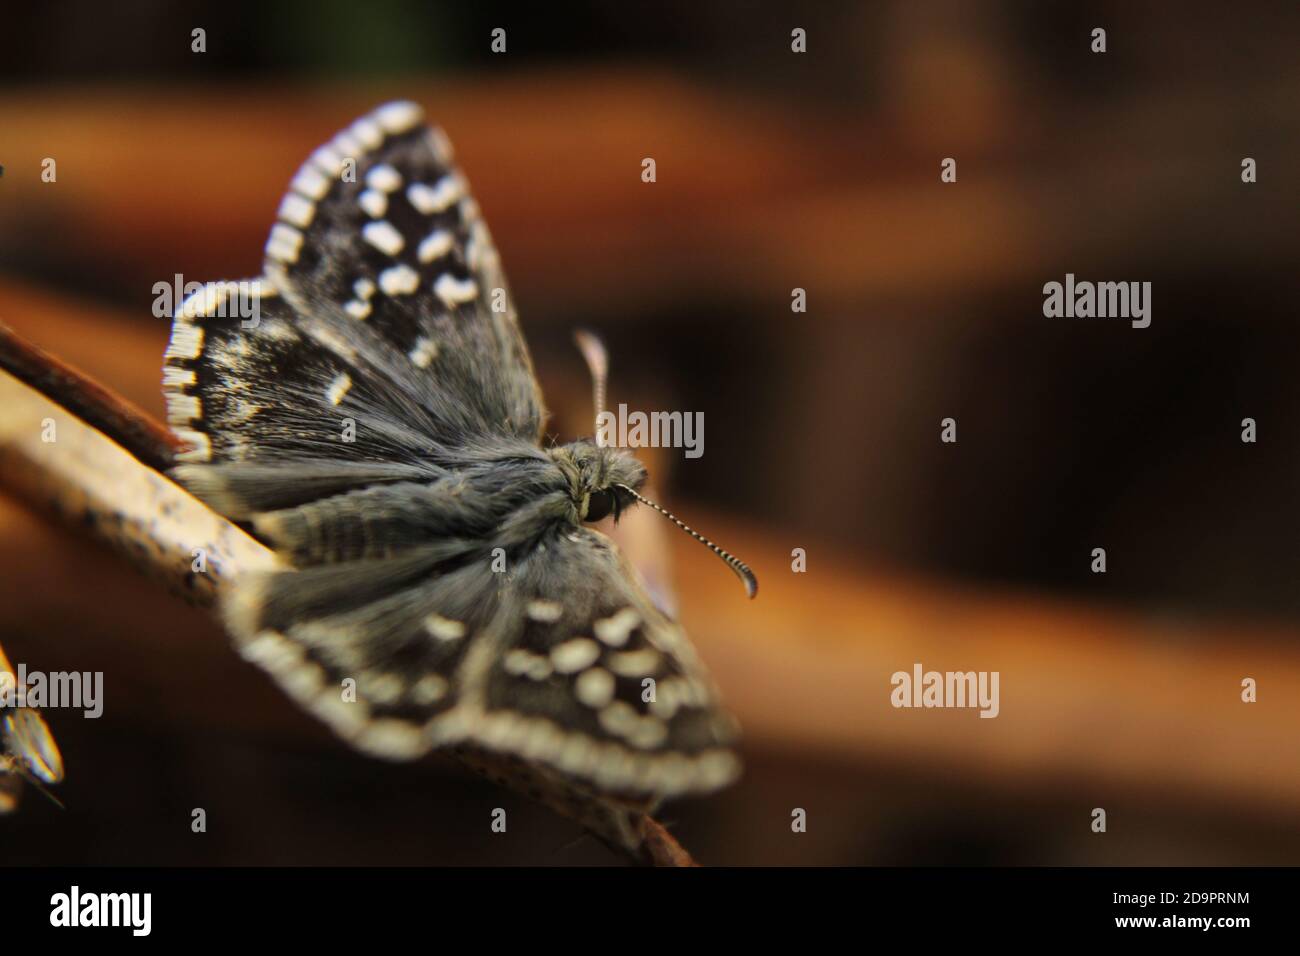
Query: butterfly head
x=618 y=477
x=602 y=481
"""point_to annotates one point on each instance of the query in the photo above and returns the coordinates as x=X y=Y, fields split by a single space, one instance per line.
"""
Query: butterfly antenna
x=740 y=567
x=597 y=359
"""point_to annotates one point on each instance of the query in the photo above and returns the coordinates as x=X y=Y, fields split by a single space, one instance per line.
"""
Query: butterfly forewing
x=380 y=238
x=358 y=318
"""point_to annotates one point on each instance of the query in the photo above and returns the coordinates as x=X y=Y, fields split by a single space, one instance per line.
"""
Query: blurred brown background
x=775 y=170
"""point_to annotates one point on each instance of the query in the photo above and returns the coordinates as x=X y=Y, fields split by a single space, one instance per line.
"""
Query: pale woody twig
x=109 y=413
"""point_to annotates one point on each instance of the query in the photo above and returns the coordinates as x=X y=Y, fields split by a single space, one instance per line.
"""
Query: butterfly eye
x=599 y=504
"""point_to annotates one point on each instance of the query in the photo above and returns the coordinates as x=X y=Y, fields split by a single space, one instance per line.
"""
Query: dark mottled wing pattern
x=396 y=628
x=564 y=662
x=378 y=425
x=585 y=675
x=383 y=301
x=403 y=253
x=271 y=418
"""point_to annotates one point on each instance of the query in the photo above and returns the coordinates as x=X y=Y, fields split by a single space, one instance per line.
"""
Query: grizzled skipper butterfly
x=379 y=425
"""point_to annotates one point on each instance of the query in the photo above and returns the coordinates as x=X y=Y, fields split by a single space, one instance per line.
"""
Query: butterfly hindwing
x=564 y=662
x=373 y=647
x=271 y=418
x=591 y=679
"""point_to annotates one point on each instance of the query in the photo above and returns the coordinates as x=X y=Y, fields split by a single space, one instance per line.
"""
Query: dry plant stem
x=662 y=849
x=116 y=487
x=94 y=404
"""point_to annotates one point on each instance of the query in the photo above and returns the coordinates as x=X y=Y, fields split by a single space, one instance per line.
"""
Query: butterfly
x=379 y=425
x=28 y=750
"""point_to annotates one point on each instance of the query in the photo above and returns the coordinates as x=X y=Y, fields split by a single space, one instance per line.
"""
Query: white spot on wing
x=648 y=733
x=183 y=409
x=374 y=203
x=439 y=198
x=383 y=236
x=284 y=244
x=574 y=655
x=398 y=117
x=348 y=145
x=453 y=291
x=297 y=210
x=424 y=352
x=186 y=341
x=435 y=244
x=640 y=663
x=443 y=628
x=399 y=280
x=273 y=651
x=368 y=132
x=546 y=612
x=327 y=160
x=339 y=387
x=526 y=664
x=594 y=687
x=382 y=688
x=391 y=738
x=429 y=689
x=174 y=377
x=384 y=178
x=618 y=718
x=616 y=629
x=207 y=300
x=310 y=183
